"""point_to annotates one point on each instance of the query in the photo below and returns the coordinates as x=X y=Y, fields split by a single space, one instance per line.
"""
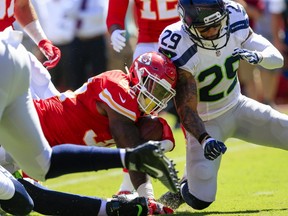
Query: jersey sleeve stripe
x=187 y=55
x=106 y=96
x=243 y=24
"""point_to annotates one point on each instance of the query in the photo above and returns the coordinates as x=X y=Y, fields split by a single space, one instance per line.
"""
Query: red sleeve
x=116 y=13
x=7 y=17
x=167 y=132
x=116 y=93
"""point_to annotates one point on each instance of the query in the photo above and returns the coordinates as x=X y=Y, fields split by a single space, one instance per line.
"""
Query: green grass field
x=252 y=180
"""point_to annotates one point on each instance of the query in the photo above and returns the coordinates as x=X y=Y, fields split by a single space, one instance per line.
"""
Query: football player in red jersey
x=151 y=16
x=105 y=109
x=23 y=12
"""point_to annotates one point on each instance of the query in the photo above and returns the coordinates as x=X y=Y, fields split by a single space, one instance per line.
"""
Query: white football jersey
x=215 y=71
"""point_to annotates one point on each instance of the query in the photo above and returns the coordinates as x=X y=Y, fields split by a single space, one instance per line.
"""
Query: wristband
x=206 y=141
x=203 y=136
x=35 y=31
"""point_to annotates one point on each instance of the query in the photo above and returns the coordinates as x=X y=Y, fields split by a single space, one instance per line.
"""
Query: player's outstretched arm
x=27 y=18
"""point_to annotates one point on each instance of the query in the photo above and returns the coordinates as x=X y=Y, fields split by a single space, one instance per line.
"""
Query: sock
x=122 y=156
x=48 y=202
x=126 y=184
x=102 y=210
x=71 y=158
x=146 y=190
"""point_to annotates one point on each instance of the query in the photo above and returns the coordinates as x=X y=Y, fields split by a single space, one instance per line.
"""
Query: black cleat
x=172 y=200
x=149 y=158
x=135 y=207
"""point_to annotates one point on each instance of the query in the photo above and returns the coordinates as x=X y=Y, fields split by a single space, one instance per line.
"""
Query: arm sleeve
x=272 y=58
x=116 y=13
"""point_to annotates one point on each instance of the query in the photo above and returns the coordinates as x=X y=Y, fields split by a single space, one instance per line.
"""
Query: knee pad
x=203 y=171
x=20 y=204
x=191 y=200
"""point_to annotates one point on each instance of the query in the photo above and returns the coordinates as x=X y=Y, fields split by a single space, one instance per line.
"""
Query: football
x=150 y=128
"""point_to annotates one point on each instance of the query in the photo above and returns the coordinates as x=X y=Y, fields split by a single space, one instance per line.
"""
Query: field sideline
x=253 y=180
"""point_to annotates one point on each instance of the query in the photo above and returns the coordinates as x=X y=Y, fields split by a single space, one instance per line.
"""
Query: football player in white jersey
x=206 y=46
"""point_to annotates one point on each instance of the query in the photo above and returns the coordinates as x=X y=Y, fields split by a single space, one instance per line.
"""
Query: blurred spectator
x=125 y=57
x=151 y=18
x=279 y=10
x=269 y=78
x=78 y=28
x=247 y=75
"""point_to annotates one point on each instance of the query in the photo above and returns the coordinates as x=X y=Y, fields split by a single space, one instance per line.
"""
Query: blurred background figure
x=124 y=58
x=269 y=78
x=248 y=76
x=151 y=18
x=78 y=28
x=279 y=19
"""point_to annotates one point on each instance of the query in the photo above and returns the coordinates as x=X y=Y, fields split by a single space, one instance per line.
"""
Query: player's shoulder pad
x=238 y=20
x=237 y=15
x=174 y=42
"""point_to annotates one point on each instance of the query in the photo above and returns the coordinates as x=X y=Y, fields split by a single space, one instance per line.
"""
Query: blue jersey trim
x=188 y=54
x=243 y=24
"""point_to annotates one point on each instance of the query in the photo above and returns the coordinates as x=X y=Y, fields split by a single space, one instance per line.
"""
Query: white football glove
x=251 y=57
x=118 y=40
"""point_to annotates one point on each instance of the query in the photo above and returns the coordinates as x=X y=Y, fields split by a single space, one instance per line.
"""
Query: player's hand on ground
x=247 y=55
x=156 y=208
x=118 y=40
x=213 y=148
x=51 y=52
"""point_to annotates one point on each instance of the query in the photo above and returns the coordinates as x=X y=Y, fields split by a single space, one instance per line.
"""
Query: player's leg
x=199 y=191
x=148 y=158
x=199 y=183
x=49 y=202
x=260 y=124
x=126 y=186
x=14 y=199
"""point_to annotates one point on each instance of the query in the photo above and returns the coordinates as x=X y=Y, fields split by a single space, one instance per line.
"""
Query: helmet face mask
x=154 y=77
x=199 y=16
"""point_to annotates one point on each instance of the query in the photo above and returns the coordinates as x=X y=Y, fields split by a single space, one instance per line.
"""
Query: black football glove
x=213 y=148
x=251 y=57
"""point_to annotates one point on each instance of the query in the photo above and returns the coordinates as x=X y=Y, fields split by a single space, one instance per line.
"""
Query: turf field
x=252 y=180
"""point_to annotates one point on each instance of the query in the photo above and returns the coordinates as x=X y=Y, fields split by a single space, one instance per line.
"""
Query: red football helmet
x=154 y=78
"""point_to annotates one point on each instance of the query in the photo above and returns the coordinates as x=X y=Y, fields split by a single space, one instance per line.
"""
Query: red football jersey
x=73 y=118
x=152 y=16
x=6 y=13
